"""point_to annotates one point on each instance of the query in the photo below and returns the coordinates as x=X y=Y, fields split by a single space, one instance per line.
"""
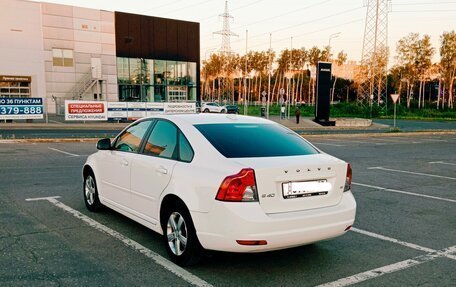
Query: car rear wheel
x=180 y=238
x=223 y=111
x=91 y=199
x=206 y=110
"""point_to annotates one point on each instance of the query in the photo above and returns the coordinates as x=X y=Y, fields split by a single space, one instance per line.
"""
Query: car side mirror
x=104 y=144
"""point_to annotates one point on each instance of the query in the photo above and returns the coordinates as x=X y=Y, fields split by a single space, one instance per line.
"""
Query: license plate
x=305 y=188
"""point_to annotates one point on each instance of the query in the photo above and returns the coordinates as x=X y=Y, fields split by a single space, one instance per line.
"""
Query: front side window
x=255 y=140
x=130 y=139
x=162 y=141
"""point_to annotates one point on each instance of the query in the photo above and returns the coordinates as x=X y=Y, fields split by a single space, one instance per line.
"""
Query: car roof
x=195 y=119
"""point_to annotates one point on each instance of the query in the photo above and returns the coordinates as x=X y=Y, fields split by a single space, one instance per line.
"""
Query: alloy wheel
x=176 y=233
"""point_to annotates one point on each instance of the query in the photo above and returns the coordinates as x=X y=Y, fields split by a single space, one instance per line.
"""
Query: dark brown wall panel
x=122 y=39
x=182 y=40
x=171 y=40
x=160 y=38
x=134 y=31
x=146 y=25
x=193 y=42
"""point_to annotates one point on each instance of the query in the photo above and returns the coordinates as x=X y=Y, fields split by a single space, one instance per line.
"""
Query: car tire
x=90 y=192
x=206 y=110
x=223 y=111
x=179 y=235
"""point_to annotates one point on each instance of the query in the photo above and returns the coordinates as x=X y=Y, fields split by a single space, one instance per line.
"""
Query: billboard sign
x=180 y=108
x=136 y=110
x=117 y=111
x=21 y=108
x=154 y=108
x=86 y=111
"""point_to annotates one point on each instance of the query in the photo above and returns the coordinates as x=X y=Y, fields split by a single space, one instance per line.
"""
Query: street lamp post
x=332 y=36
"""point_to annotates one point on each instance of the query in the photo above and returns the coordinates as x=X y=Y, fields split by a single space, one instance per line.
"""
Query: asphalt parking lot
x=404 y=235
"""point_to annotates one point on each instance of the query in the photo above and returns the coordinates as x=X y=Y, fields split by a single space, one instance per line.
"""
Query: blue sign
x=21 y=108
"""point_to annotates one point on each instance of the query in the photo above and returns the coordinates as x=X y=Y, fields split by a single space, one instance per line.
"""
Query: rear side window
x=185 y=150
x=254 y=140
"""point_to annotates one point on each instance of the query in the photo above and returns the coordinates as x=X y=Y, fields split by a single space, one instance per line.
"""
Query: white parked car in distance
x=221 y=182
x=212 y=107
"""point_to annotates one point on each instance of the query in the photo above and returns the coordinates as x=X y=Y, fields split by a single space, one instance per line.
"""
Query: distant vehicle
x=211 y=107
x=232 y=109
x=218 y=182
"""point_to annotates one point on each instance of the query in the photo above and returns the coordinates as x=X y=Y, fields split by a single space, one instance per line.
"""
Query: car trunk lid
x=296 y=183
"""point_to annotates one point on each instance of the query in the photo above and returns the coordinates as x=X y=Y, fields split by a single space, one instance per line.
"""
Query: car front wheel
x=223 y=111
x=91 y=199
x=206 y=110
x=180 y=237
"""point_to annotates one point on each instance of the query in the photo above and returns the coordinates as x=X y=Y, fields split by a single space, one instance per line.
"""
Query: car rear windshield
x=254 y=140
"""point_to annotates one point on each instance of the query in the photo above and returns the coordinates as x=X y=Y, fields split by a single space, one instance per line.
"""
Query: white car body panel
x=281 y=222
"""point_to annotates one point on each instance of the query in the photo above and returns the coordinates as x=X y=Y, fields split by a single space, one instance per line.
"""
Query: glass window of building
x=123 y=71
x=62 y=57
x=171 y=72
x=146 y=80
x=192 y=74
x=159 y=72
x=135 y=71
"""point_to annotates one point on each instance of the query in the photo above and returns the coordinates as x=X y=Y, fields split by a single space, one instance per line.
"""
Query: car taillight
x=348 y=180
x=239 y=187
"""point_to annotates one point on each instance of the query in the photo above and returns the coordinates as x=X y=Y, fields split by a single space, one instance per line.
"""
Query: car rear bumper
x=227 y=222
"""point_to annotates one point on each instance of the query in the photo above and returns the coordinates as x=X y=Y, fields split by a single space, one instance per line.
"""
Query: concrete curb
x=363 y=135
x=385 y=134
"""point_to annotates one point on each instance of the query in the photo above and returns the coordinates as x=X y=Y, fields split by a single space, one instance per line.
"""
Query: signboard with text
x=21 y=108
x=117 y=111
x=180 y=108
x=136 y=110
x=86 y=111
x=154 y=108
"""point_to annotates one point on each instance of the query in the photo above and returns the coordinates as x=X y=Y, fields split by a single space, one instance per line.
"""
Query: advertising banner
x=180 y=108
x=86 y=111
x=154 y=108
x=117 y=111
x=136 y=110
x=21 y=108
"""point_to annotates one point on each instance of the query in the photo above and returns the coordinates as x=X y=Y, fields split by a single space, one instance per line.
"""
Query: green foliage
x=354 y=110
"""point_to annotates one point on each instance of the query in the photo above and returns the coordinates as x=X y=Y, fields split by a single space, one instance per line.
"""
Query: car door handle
x=162 y=170
x=124 y=162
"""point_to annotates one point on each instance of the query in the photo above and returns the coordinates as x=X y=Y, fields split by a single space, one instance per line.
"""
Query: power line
x=312 y=32
x=416 y=11
x=161 y=6
x=234 y=9
x=186 y=7
x=281 y=15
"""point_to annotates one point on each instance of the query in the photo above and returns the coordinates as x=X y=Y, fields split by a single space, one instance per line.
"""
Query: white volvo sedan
x=221 y=182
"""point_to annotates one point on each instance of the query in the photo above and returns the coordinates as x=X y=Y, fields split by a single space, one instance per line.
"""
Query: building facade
x=59 y=52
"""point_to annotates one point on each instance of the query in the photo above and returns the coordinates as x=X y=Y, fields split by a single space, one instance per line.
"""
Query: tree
x=414 y=55
x=341 y=59
x=448 y=64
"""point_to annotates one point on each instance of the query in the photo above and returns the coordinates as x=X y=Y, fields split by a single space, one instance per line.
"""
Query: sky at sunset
x=309 y=22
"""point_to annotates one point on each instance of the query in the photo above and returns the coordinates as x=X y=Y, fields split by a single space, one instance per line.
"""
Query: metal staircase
x=86 y=82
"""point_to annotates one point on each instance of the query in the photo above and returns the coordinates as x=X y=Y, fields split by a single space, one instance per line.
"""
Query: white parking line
x=411 y=172
x=385 y=238
x=319 y=143
x=404 y=192
x=441 y=162
x=61 y=151
x=168 y=265
x=433 y=140
x=360 y=277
